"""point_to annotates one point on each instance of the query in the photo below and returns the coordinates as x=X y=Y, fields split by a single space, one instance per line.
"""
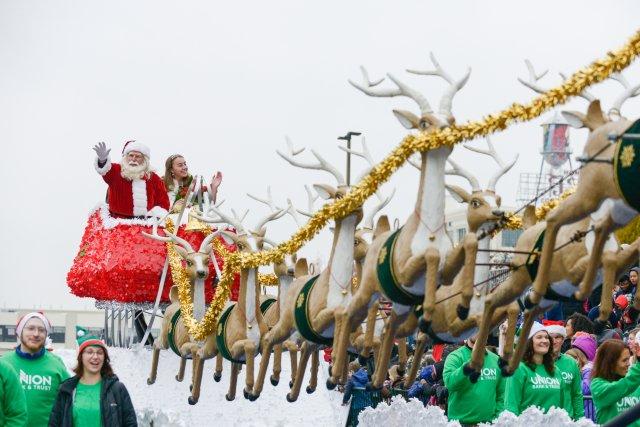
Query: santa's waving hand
x=135 y=191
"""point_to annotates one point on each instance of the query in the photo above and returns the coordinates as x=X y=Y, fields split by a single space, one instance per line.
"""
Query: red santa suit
x=140 y=197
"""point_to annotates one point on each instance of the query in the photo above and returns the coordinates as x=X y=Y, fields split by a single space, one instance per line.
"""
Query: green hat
x=85 y=339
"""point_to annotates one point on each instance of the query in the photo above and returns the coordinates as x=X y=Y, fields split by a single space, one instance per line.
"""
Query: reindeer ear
x=301 y=268
x=459 y=195
x=595 y=116
x=173 y=294
x=382 y=226
x=325 y=191
x=182 y=251
x=575 y=119
x=529 y=218
x=407 y=119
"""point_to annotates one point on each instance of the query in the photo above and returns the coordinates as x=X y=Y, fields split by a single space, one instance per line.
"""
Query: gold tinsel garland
x=598 y=71
x=268 y=279
x=514 y=222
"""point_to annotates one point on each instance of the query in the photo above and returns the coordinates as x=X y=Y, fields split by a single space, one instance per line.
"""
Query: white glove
x=102 y=151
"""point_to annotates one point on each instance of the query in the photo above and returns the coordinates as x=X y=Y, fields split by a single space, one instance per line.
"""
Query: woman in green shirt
x=614 y=387
x=535 y=382
x=93 y=397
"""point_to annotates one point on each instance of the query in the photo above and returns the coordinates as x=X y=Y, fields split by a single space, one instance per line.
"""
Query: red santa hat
x=130 y=146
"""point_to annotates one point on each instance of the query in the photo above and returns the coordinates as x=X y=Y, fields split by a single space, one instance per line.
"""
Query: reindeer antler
x=454 y=86
x=534 y=86
x=171 y=238
x=270 y=217
x=629 y=92
x=321 y=165
x=310 y=199
x=368 y=220
x=504 y=167
x=460 y=171
x=402 y=90
x=267 y=201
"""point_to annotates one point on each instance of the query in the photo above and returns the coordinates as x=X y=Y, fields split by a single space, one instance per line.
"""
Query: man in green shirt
x=13 y=406
x=570 y=373
x=39 y=371
x=473 y=402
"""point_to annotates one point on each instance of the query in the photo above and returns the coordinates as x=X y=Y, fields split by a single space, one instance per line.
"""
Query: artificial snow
x=165 y=402
x=401 y=413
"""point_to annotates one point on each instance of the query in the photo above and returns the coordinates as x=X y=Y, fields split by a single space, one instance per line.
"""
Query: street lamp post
x=347 y=138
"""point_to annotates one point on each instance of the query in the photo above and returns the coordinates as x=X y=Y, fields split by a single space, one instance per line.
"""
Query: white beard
x=134 y=171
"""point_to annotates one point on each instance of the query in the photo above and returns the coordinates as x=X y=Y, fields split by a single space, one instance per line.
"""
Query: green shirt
x=614 y=397
x=473 y=403
x=86 y=405
x=570 y=374
x=13 y=405
x=527 y=387
x=40 y=379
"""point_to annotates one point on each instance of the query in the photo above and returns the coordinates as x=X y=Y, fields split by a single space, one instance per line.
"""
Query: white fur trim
x=139 y=194
x=158 y=212
x=137 y=146
x=535 y=328
x=109 y=222
x=104 y=169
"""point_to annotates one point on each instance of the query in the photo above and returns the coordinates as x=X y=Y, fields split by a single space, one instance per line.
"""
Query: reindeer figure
x=173 y=332
x=242 y=324
x=601 y=178
x=285 y=271
x=311 y=302
x=567 y=271
x=406 y=266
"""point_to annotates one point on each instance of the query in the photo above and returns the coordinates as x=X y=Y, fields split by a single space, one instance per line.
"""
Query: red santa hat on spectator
x=134 y=145
x=24 y=319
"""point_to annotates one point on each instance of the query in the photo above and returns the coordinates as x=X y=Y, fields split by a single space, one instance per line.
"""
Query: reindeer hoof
x=253 y=397
x=274 y=382
x=150 y=381
x=229 y=398
x=310 y=389
x=217 y=377
x=471 y=373
x=330 y=384
x=528 y=302
x=178 y=378
x=290 y=399
x=191 y=400
x=245 y=393
x=424 y=325
x=290 y=383
x=463 y=312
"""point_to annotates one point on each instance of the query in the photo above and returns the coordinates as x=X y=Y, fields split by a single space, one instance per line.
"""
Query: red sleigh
x=116 y=262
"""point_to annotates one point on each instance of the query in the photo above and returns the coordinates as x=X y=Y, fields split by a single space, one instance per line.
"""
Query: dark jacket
x=116 y=408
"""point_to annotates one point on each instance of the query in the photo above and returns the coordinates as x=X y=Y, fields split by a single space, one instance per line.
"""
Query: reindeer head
x=197 y=262
x=428 y=121
x=483 y=205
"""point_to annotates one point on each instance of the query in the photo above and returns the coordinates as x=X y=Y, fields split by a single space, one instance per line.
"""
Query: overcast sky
x=223 y=82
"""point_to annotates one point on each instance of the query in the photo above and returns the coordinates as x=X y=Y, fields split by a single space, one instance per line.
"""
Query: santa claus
x=135 y=191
